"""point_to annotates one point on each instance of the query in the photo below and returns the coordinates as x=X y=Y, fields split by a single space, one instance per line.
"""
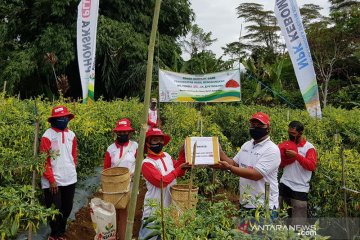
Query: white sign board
x=207 y=150
x=213 y=87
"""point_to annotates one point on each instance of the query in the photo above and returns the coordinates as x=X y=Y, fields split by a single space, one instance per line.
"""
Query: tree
x=310 y=13
x=337 y=5
x=339 y=41
x=30 y=29
x=198 y=41
x=262 y=31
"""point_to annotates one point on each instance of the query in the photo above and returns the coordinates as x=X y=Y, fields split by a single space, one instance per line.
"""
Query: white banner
x=213 y=87
x=288 y=16
x=86 y=45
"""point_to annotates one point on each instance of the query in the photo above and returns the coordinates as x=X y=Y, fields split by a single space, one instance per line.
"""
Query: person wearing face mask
x=257 y=162
x=122 y=153
x=59 y=179
x=157 y=167
x=294 y=183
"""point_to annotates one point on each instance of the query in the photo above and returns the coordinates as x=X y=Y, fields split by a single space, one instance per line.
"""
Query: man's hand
x=185 y=165
x=218 y=166
x=54 y=188
x=222 y=154
x=290 y=153
x=225 y=165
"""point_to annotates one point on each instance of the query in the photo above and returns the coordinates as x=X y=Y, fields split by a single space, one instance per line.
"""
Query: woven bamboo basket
x=115 y=179
x=180 y=196
x=120 y=200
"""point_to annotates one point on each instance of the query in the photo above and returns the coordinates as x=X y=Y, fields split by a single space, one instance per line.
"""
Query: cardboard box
x=207 y=150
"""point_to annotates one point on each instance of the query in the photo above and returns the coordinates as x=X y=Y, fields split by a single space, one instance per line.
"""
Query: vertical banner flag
x=213 y=87
x=86 y=46
x=288 y=16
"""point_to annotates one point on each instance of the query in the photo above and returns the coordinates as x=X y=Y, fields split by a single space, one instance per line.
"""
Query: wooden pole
x=191 y=175
x=35 y=154
x=344 y=189
x=139 y=158
x=267 y=199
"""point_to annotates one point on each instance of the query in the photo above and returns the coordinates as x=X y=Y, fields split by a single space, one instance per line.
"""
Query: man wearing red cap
x=299 y=162
x=59 y=179
x=256 y=163
x=159 y=168
x=122 y=153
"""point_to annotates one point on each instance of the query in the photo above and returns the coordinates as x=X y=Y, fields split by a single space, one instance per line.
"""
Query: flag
x=86 y=46
x=288 y=16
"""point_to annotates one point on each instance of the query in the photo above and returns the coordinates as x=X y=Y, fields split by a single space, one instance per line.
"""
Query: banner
x=288 y=16
x=214 y=87
x=86 y=45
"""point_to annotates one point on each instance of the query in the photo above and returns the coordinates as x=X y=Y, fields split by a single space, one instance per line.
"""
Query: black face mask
x=156 y=148
x=60 y=123
x=292 y=138
x=122 y=138
x=257 y=133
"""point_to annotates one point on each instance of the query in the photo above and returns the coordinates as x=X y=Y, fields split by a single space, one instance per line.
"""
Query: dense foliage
x=31 y=29
x=93 y=126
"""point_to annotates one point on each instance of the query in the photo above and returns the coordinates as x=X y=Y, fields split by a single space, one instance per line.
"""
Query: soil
x=81 y=228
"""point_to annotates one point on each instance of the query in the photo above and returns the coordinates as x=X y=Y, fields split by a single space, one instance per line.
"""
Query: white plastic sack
x=103 y=217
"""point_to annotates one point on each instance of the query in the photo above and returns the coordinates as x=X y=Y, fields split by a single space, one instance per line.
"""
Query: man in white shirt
x=256 y=163
x=294 y=183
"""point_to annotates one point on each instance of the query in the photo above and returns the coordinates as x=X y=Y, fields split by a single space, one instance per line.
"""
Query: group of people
x=257 y=162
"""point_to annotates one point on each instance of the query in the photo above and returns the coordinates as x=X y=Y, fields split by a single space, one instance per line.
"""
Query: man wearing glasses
x=257 y=162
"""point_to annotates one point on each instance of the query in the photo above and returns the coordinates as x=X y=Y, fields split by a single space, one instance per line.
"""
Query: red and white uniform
x=121 y=156
x=62 y=168
x=155 y=168
x=297 y=175
x=265 y=158
x=152 y=118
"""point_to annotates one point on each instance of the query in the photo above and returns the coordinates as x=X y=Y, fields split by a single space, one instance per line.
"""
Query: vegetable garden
x=336 y=138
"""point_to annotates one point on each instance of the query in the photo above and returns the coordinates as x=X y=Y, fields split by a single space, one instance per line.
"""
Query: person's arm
x=107 y=160
x=45 y=146
x=309 y=161
x=267 y=163
x=285 y=162
x=154 y=176
x=74 y=150
x=224 y=157
x=181 y=158
x=249 y=173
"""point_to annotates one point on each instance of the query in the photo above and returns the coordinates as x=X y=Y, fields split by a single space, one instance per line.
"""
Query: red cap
x=60 y=111
x=262 y=117
x=123 y=124
x=157 y=132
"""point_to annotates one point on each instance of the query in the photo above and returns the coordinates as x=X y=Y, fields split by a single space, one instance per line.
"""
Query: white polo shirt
x=265 y=158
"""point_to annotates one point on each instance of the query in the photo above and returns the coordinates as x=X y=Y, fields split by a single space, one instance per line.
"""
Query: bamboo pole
x=267 y=199
x=139 y=158
x=344 y=190
x=191 y=175
x=35 y=154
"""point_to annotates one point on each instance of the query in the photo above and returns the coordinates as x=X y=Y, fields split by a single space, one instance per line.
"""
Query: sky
x=220 y=18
